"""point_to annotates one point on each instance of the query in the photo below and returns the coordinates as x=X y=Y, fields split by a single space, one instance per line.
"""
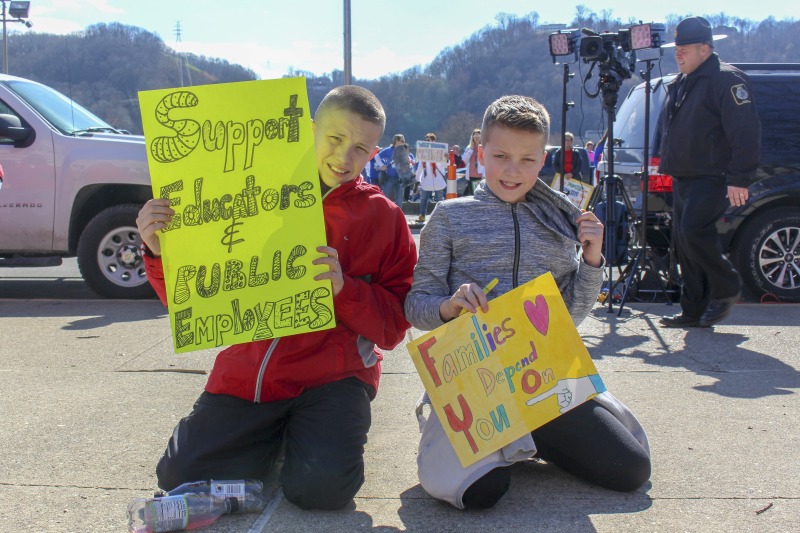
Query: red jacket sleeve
x=374 y=309
x=155 y=275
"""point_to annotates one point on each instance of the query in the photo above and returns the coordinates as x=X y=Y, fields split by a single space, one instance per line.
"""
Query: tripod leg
x=632 y=270
x=629 y=280
x=596 y=195
x=656 y=272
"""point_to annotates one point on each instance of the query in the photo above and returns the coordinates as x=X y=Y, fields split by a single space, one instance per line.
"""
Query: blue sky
x=272 y=36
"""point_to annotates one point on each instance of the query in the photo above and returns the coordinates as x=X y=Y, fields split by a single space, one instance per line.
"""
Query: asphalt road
x=90 y=390
x=62 y=282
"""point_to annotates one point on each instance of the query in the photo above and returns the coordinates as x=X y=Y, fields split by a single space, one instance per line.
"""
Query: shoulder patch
x=740 y=94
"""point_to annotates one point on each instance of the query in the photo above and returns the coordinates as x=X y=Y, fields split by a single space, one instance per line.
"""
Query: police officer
x=710 y=141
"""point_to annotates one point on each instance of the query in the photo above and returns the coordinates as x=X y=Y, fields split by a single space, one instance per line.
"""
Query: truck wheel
x=767 y=254
x=109 y=255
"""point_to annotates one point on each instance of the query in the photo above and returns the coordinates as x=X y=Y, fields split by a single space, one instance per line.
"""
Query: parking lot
x=92 y=390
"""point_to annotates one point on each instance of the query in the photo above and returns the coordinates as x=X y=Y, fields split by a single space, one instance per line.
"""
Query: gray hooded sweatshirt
x=473 y=240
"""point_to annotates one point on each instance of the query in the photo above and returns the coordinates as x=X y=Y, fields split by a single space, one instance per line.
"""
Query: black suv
x=763 y=236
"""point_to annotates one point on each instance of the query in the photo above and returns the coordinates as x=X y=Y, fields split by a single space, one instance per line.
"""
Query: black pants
x=588 y=442
x=322 y=433
x=697 y=205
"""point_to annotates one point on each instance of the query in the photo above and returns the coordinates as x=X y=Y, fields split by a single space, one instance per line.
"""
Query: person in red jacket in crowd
x=307 y=396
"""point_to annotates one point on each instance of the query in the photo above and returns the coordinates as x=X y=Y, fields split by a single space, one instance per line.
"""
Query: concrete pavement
x=91 y=391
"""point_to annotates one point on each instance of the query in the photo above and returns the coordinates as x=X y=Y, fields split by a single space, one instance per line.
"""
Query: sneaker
x=421 y=218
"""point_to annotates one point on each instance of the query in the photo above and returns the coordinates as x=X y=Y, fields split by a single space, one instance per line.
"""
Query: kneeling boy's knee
x=170 y=473
x=326 y=492
x=636 y=474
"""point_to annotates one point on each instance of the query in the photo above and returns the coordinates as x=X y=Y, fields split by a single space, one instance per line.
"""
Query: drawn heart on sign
x=538 y=313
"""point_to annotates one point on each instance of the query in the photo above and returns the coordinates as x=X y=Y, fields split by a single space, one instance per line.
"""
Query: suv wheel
x=109 y=255
x=767 y=254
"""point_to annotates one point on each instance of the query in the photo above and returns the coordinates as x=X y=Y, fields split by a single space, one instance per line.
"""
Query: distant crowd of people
x=402 y=178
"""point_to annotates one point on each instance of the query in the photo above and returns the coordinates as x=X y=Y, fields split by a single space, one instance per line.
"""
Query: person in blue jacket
x=392 y=185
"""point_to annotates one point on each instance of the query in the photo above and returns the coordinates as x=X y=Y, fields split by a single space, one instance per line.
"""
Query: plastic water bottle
x=174 y=513
x=249 y=492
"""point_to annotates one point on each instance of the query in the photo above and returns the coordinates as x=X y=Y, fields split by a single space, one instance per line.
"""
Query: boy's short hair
x=355 y=99
x=516 y=112
x=569 y=135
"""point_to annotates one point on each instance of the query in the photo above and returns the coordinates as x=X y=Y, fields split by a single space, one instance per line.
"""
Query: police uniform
x=711 y=138
x=712 y=128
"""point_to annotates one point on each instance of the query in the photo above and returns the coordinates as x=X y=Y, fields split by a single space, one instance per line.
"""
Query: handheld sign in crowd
x=578 y=192
x=431 y=152
x=237 y=162
x=494 y=376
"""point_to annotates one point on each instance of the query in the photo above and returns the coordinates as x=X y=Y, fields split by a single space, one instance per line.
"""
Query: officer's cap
x=693 y=30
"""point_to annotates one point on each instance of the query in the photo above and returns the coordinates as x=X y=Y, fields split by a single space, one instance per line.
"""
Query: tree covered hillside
x=512 y=56
x=104 y=67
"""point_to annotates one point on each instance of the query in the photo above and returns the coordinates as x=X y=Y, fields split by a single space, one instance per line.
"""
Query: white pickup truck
x=72 y=186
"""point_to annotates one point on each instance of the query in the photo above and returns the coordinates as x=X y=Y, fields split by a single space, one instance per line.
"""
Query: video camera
x=614 y=53
x=608 y=49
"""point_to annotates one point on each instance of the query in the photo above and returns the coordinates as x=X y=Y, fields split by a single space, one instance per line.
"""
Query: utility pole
x=348 y=69
x=5 y=41
x=19 y=13
x=181 y=57
x=178 y=56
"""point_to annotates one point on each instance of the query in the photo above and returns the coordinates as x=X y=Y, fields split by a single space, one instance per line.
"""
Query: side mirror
x=12 y=128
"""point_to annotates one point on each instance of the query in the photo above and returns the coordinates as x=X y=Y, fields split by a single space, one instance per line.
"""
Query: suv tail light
x=657 y=182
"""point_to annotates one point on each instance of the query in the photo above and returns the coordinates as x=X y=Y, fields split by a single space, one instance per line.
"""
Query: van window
x=629 y=122
x=778 y=103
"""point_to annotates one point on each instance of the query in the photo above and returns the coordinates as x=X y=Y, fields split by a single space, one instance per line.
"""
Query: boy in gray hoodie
x=516 y=228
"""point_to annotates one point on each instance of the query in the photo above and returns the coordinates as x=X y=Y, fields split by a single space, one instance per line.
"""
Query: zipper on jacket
x=262 y=369
x=330 y=191
x=515 y=270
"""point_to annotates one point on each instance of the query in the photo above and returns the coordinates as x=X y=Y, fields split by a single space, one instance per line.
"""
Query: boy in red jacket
x=308 y=395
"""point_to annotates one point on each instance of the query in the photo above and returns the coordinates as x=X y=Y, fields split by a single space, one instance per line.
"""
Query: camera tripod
x=609 y=85
x=615 y=214
x=643 y=260
x=612 y=184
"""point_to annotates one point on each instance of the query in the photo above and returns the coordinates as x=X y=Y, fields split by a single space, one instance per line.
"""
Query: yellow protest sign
x=492 y=377
x=578 y=192
x=237 y=162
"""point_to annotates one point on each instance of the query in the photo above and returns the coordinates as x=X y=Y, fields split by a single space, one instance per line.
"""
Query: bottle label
x=170 y=513
x=229 y=489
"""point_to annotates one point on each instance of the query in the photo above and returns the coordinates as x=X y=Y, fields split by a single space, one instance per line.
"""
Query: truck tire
x=767 y=254
x=109 y=254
